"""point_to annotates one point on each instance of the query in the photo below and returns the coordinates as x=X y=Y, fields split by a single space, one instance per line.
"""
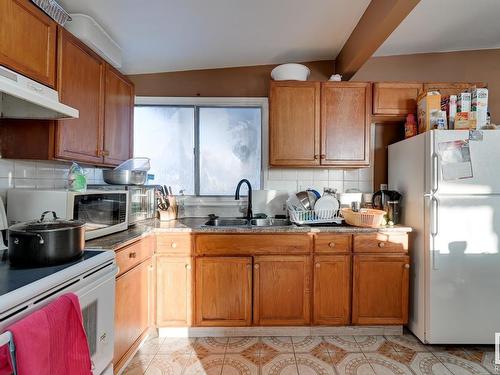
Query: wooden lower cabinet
x=380 y=289
x=282 y=290
x=223 y=292
x=332 y=289
x=174 y=278
x=132 y=315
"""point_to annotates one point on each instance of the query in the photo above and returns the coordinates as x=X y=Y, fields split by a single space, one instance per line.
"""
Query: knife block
x=171 y=212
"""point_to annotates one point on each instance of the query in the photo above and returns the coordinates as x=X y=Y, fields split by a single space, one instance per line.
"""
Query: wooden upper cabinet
x=332 y=289
x=282 y=290
x=395 y=98
x=173 y=291
x=380 y=289
x=81 y=85
x=345 y=123
x=294 y=123
x=28 y=41
x=223 y=291
x=118 y=110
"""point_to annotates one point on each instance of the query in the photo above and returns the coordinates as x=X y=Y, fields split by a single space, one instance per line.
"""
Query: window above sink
x=201 y=146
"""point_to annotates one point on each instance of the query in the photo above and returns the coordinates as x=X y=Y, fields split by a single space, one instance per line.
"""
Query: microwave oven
x=104 y=212
x=141 y=200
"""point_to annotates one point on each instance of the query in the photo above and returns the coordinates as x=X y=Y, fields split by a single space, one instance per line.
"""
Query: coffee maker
x=388 y=200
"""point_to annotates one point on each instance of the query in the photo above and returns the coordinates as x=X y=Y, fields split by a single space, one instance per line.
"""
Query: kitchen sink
x=241 y=222
x=270 y=222
x=227 y=222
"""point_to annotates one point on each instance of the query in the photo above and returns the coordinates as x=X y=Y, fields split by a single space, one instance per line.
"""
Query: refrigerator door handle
x=434 y=231
x=435 y=173
x=434 y=208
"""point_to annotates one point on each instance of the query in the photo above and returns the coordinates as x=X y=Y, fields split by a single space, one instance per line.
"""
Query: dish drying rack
x=53 y=10
x=308 y=217
x=6 y=338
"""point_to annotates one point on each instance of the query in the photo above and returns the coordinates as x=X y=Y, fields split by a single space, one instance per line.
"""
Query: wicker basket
x=364 y=218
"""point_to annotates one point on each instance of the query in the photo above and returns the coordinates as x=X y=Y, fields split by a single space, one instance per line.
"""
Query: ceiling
x=173 y=35
x=446 y=25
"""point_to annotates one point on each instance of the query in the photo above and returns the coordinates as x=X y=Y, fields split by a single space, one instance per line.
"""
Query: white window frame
x=261 y=102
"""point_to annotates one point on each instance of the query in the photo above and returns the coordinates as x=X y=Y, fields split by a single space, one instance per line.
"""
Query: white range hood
x=23 y=98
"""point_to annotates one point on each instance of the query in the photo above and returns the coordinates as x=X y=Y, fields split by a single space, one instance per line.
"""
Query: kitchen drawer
x=332 y=243
x=381 y=243
x=129 y=256
x=174 y=243
x=253 y=244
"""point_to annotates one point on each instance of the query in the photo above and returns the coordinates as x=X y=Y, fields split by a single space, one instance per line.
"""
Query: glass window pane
x=165 y=134
x=230 y=148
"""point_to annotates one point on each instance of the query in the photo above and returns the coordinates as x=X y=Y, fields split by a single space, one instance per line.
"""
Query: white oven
x=104 y=212
x=93 y=281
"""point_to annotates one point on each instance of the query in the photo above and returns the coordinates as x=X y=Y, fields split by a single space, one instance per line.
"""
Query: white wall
x=301 y=179
x=39 y=175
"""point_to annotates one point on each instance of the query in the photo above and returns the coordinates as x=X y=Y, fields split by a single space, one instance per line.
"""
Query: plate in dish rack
x=326 y=207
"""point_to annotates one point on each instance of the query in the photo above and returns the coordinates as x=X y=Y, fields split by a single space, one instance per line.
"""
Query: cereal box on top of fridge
x=479 y=106
x=464 y=102
x=428 y=103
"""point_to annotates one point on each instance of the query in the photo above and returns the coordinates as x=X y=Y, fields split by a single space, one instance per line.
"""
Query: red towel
x=5 y=364
x=52 y=340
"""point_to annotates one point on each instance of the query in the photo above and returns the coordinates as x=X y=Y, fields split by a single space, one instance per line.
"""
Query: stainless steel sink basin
x=269 y=222
x=242 y=222
x=227 y=222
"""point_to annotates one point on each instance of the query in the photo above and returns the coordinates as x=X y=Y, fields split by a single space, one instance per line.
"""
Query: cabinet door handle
x=105 y=153
x=331 y=244
x=381 y=244
x=132 y=255
x=323 y=156
x=256 y=266
x=318 y=265
x=188 y=267
x=173 y=245
x=407 y=266
x=316 y=157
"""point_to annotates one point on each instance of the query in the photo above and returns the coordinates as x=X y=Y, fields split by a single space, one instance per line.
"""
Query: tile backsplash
x=39 y=174
x=300 y=179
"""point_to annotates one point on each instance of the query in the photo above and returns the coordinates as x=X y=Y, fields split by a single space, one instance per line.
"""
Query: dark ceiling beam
x=380 y=19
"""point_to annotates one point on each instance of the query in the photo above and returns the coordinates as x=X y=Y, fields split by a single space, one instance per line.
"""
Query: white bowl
x=292 y=72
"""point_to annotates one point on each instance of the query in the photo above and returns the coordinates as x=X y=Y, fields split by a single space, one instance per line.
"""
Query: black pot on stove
x=46 y=242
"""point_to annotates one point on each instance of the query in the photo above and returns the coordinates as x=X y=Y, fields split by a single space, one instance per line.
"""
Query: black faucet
x=237 y=197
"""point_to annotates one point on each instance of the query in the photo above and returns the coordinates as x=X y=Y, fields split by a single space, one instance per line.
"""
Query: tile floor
x=363 y=355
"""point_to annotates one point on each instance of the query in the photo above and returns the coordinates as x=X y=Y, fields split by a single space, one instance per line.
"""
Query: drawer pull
x=331 y=244
x=256 y=266
x=381 y=244
x=132 y=255
x=173 y=245
x=407 y=266
x=318 y=265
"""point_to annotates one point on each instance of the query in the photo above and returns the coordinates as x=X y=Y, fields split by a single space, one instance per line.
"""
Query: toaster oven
x=141 y=200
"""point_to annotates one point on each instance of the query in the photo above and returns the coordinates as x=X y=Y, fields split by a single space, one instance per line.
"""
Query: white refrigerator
x=455 y=273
